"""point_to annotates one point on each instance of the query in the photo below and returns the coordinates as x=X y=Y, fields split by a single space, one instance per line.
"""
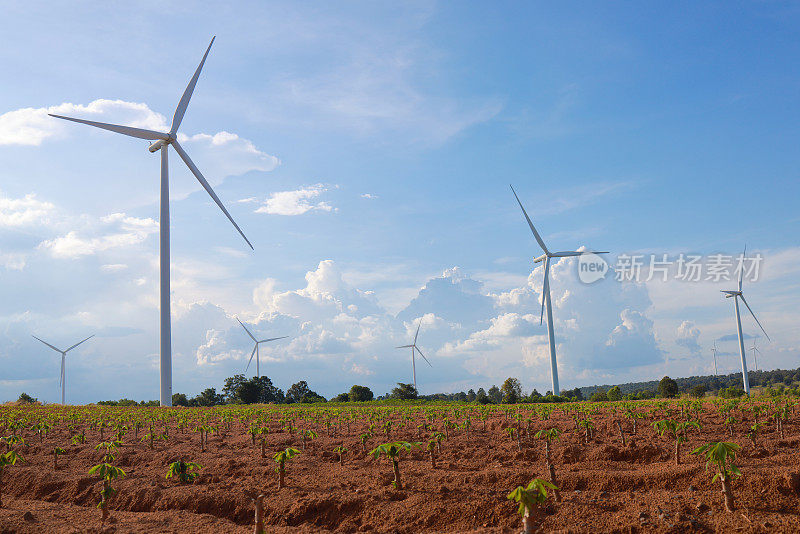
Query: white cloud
x=31 y=126
x=13 y=261
x=687 y=336
x=295 y=202
x=369 y=196
x=25 y=211
x=119 y=230
x=113 y=267
x=226 y=154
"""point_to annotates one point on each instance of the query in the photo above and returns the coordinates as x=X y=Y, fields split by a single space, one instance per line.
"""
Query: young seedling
x=56 y=452
x=108 y=473
x=393 y=452
x=548 y=436
x=364 y=437
x=184 y=471
x=512 y=432
x=722 y=455
x=258 y=501
x=529 y=498
x=431 y=448
x=340 y=450
x=677 y=431
x=752 y=434
x=7 y=459
x=79 y=438
x=281 y=457
x=307 y=436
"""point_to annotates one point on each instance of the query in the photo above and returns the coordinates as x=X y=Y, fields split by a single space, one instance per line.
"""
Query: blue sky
x=366 y=150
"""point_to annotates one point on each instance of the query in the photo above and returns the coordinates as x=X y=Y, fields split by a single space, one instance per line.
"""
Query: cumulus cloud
x=295 y=202
x=25 y=211
x=116 y=230
x=687 y=336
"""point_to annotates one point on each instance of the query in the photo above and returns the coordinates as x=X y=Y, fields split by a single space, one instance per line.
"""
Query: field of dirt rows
x=605 y=486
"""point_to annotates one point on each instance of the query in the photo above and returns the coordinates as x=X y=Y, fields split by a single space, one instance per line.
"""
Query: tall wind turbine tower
x=163 y=140
x=736 y=295
x=755 y=353
x=63 y=377
x=546 y=291
x=414 y=348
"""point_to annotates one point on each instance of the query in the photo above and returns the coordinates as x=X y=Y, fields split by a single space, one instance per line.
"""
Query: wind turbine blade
x=417 y=334
x=189 y=163
x=78 y=343
x=127 y=130
x=404 y=346
x=187 y=94
x=423 y=356
x=48 y=344
x=576 y=253
x=545 y=287
x=61 y=377
x=248 y=331
x=535 y=233
x=272 y=339
x=251 y=358
x=754 y=317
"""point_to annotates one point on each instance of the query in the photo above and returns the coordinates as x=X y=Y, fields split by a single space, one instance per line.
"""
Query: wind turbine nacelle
x=156 y=146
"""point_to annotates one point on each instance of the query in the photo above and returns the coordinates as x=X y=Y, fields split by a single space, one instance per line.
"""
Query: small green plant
x=752 y=434
x=393 y=452
x=340 y=450
x=282 y=457
x=7 y=459
x=184 y=471
x=108 y=473
x=364 y=438
x=722 y=455
x=307 y=436
x=530 y=498
x=56 y=452
x=431 y=448
x=677 y=431
x=79 y=439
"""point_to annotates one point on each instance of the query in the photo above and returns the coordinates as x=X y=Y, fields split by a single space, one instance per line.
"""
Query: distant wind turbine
x=737 y=294
x=546 y=291
x=714 y=352
x=255 y=349
x=414 y=348
x=755 y=352
x=63 y=378
x=162 y=142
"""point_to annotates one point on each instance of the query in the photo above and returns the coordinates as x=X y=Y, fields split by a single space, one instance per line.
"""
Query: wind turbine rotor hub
x=158 y=145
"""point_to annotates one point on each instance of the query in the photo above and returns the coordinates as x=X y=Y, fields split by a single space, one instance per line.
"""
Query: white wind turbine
x=737 y=294
x=255 y=349
x=63 y=378
x=755 y=351
x=162 y=142
x=714 y=352
x=414 y=348
x=546 y=291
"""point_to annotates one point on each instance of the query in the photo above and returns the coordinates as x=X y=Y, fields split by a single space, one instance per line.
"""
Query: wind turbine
x=546 y=291
x=737 y=294
x=162 y=142
x=414 y=348
x=255 y=349
x=755 y=351
x=714 y=352
x=63 y=377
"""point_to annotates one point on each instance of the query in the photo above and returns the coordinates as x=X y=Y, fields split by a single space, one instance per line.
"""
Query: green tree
x=599 y=395
x=495 y=394
x=404 y=391
x=698 y=391
x=180 y=399
x=360 y=394
x=511 y=390
x=667 y=388
x=296 y=393
x=481 y=397
x=26 y=399
x=614 y=394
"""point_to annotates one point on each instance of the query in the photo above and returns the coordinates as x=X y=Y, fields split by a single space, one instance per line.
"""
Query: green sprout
x=281 y=457
x=184 y=471
x=530 y=498
x=7 y=459
x=722 y=455
x=107 y=472
x=393 y=452
x=56 y=452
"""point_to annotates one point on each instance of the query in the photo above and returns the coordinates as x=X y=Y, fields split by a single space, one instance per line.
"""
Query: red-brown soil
x=606 y=487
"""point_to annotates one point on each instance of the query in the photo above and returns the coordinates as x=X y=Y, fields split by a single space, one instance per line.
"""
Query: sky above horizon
x=366 y=149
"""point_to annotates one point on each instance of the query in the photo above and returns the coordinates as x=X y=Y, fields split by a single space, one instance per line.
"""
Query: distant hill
x=775 y=378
